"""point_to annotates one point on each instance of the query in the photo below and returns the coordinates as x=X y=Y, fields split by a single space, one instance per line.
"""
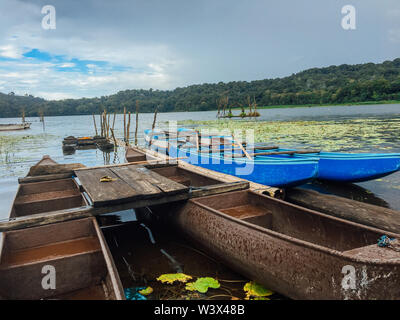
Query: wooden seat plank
x=163 y=184
x=103 y=193
x=136 y=181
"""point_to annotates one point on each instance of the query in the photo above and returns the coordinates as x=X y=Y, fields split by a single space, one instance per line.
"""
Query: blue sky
x=101 y=47
x=65 y=64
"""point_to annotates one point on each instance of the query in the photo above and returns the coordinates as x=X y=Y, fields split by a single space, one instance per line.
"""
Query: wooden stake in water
x=125 y=124
x=101 y=125
x=137 y=122
x=128 y=127
x=153 y=126
x=94 y=121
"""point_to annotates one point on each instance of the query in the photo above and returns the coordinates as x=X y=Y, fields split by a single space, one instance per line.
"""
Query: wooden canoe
x=15 y=126
x=300 y=253
x=83 y=266
x=46 y=196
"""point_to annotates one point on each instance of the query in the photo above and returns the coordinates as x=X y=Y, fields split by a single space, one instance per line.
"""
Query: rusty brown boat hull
x=77 y=252
x=300 y=253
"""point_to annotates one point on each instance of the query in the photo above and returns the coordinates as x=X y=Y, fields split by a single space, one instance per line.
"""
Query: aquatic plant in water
x=203 y=284
x=367 y=134
x=170 y=278
x=255 y=291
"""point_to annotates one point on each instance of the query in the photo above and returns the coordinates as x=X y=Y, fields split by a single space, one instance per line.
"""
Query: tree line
x=331 y=85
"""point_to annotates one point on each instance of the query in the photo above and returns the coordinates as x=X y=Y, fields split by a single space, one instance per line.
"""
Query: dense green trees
x=334 y=84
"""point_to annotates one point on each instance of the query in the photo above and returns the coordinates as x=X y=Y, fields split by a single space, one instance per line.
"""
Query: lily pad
x=147 y=291
x=203 y=284
x=172 y=277
x=256 y=290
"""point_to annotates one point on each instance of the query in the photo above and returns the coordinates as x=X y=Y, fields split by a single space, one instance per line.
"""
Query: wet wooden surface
x=130 y=183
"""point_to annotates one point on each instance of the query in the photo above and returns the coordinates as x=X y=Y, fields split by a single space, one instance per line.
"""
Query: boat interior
x=291 y=220
x=185 y=177
x=73 y=248
x=41 y=197
x=133 y=155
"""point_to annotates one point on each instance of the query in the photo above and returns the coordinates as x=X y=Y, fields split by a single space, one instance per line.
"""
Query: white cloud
x=67 y=65
x=10 y=51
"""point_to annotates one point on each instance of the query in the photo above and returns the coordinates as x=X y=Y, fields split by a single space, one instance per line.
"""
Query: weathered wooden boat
x=46 y=196
x=297 y=252
x=15 y=126
x=75 y=252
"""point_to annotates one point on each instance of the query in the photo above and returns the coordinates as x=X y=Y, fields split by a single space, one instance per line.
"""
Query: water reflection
x=346 y=190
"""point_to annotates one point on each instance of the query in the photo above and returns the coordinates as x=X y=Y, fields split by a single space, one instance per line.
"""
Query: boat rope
x=386 y=242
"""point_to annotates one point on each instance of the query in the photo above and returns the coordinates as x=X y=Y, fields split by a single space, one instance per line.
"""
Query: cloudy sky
x=100 y=47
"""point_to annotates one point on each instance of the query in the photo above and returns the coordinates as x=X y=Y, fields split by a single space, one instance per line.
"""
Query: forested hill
x=335 y=84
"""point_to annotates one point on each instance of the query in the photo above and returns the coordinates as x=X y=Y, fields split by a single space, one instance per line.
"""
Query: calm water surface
x=143 y=251
x=20 y=150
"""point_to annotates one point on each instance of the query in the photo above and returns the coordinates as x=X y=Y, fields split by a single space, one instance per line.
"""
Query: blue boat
x=271 y=172
x=333 y=166
x=349 y=167
x=341 y=167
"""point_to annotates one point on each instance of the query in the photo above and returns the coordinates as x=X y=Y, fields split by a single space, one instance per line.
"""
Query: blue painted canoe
x=346 y=167
x=271 y=172
x=334 y=166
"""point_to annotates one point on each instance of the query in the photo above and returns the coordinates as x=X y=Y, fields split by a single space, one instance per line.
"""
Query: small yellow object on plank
x=107 y=179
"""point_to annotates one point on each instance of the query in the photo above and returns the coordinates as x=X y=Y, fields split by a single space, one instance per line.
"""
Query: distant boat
x=15 y=126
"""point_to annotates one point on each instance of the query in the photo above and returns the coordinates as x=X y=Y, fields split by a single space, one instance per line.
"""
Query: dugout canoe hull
x=300 y=253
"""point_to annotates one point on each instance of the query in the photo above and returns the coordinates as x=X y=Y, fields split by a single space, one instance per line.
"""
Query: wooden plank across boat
x=300 y=253
x=128 y=184
x=75 y=250
x=53 y=201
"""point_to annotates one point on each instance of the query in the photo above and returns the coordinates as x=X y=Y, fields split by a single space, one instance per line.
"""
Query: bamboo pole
x=153 y=126
x=108 y=126
x=95 y=127
x=125 y=124
x=127 y=131
x=101 y=125
x=137 y=122
x=113 y=136
x=241 y=147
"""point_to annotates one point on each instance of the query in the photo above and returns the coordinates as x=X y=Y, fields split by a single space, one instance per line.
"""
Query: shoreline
x=290 y=106
x=359 y=104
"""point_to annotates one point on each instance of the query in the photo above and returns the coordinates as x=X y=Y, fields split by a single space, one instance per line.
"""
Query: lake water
x=19 y=150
